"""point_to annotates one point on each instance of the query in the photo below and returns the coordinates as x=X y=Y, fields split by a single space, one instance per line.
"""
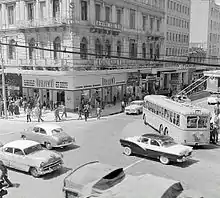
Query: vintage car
x=135 y=107
x=95 y=179
x=49 y=135
x=29 y=156
x=213 y=99
x=157 y=146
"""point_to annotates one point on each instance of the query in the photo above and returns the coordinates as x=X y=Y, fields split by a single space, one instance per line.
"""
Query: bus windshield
x=197 y=121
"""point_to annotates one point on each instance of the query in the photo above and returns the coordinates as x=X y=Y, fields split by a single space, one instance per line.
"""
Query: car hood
x=44 y=155
x=179 y=149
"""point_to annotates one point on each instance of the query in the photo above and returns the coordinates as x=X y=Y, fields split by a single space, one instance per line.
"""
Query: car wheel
x=165 y=131
x=161 y=129
x=164 y=160
x=34 y=172
x=208 y=103
x=48 y=145
x=127 y=151
x=23 y=137
x=138 y=112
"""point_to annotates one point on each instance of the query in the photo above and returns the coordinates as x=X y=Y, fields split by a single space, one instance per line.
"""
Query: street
x=99 y=140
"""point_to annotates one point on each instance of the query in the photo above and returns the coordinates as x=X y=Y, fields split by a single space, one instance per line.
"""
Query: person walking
x=28 y=111
x=80 y=112
x=39 y=112
x=4 y=175
x=86 y=111
x=64 y=112
x=57 y=113
x=122 y=106
x=215 y=121
x=98 y=112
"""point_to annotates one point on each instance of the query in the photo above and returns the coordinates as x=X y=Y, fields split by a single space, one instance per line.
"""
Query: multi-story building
x=95 y=30
x=207 y=15
x=177 y=28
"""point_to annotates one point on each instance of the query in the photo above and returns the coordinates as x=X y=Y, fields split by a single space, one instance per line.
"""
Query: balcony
x=46 y=22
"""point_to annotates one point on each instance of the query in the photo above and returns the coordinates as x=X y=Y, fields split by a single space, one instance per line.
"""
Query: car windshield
x=168 y=143
x=58 y=130
x=33 y=149
x=137 y=103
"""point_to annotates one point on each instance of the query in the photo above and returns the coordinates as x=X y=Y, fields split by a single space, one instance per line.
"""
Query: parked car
x=157 y=146
x=135 y=107
x=95 y=179
x=29 y=156
x=49 y=135
x=213 y=99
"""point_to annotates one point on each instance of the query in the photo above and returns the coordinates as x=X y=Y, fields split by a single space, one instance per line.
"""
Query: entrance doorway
x=60 y=97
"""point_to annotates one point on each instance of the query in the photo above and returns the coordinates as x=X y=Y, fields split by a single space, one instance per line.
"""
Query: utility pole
x=3 y=90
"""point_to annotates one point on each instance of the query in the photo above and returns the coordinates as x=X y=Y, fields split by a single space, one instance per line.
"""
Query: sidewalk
x=48 y=115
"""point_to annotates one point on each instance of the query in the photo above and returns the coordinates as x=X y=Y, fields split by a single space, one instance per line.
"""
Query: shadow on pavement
x=67 y=148
x=55 y=174
x=207 y=147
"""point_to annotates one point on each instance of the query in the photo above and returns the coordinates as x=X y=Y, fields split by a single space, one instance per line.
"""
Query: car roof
x=22 y=144
x=48 y=126
x=157 y=136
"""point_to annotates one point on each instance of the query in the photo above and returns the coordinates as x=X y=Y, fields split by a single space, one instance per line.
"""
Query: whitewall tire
x=164 y=160
x=127 y=151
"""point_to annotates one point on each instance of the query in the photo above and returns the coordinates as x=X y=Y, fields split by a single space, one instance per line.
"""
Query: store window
x=98 y=48
x=83 y=48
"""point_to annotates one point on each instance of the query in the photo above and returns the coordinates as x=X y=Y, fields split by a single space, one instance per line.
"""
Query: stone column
x=91 y=11
x=114 y=17
x=64 y=9
x=37 y=10
x=3 y=17
x=17 y=12
x=102 y=14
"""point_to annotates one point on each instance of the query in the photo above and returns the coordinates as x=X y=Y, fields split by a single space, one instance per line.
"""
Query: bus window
x=174 y=118
x=192 y=121
x=178 y=120
x=156 y=109
x=203 y=122
x=171 y=116
x=162 y=112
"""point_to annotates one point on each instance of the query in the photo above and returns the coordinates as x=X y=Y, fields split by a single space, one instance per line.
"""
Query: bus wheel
x=161 y=129
x=165 y=131
x=145 y=120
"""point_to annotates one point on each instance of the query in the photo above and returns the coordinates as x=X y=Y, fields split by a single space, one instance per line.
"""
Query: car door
x=43 y=137
x=144 y=143
x=154 y=148
x=34 y=134
x=7 y=156
x=19 y=160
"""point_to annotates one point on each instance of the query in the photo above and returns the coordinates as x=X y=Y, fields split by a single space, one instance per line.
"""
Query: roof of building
x=182 y=108
x=22 y=144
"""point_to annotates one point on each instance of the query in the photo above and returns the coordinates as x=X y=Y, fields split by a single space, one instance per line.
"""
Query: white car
x=29 y=156
x=135 y=107
x=213 y=99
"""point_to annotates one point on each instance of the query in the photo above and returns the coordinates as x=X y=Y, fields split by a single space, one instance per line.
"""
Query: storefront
x=72 y=90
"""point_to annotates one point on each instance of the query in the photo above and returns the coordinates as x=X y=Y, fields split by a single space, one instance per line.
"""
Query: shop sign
x=105 y=24
x=44 y=83
x=108 y=82
x=117 y=62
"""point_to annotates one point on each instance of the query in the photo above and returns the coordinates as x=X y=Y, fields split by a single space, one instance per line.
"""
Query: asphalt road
x=98 y=140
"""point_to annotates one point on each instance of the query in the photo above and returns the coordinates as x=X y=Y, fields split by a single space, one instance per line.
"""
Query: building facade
x=177 y=28
x=64 y=35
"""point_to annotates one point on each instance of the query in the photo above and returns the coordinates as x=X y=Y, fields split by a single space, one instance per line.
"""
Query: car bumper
x=130 y=111
x=64 y=144
x=183 y=159
x=50 y=169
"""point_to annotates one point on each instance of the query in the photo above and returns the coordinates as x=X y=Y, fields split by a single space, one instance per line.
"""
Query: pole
x=3 y=90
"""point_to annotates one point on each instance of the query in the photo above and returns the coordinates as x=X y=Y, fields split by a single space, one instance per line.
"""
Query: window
x=30 y=7
x=42 y=45
x=157 y=54
x=84 y=14
x=107 y=13
x=8 y=150
x=108 y=49
x=151 y=51
x=97 y=12
x=151 y=23
x=132 y=19
x=31 y=49
x=132 y=49
x=119 y=13
x=18 y=151
x=42 y=131
x=42 y=10
x=56 y=8
x=11 y=49
x=119 y=48
x=57 y=47
x=144 y=23
x=145 y=140
x=192 y=121
x=98 y=48
x=143 y=50
x=154 y=143
x=83 y=48
x=36 y=129
x=158 y=25
x=11 y=15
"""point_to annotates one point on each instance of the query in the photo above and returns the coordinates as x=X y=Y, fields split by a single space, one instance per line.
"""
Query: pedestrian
x=122 y=106
x=64 y=112
x=57 y=113
x=86 y=111
x=4 y=175
x=114 y=100
x=39 y=111
x=215 y=121
x=11 y=109
x=98 y=112
x=28 y=111
x=80 y=112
